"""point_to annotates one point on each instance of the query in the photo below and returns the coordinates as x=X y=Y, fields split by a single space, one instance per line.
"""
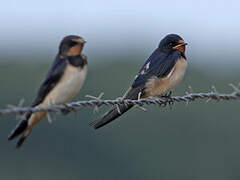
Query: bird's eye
x=170 y=44
x=72 y=43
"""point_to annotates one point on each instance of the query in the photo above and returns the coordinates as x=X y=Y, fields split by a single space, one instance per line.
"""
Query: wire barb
x=96 y=108
x=97 y=102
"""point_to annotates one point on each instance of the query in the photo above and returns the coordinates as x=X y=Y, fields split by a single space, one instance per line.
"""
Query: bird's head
x=71 y=45
x=172 y=42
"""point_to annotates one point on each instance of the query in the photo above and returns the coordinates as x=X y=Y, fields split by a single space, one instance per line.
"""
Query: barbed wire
x=97 y=102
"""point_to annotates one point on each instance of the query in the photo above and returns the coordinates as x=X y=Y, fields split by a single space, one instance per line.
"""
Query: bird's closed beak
x=183 y=44
x=180 y=46
x=80 y=41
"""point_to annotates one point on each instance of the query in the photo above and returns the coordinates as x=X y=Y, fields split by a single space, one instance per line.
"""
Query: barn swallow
x=63 y=81
x=159 y=75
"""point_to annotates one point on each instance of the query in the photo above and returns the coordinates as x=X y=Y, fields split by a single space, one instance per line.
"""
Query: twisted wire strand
x=97 y=102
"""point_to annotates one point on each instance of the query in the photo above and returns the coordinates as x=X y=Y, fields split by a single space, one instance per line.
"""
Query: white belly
x=177 y=74
x=69 y=86
x=156 y=86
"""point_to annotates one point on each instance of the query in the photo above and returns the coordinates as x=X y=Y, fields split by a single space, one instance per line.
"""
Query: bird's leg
x=170 y=101
x=66 y=110
x=167 y=95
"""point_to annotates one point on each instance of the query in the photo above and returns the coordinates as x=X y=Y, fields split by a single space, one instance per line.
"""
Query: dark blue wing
x=54 y=75
x=159 y=65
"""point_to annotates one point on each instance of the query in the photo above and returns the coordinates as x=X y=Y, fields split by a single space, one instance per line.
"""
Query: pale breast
x=68 y=87
x=178 y=73
x=159 y=86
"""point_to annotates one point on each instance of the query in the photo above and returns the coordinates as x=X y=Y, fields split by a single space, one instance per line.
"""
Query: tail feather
x=23 y=138
x=25 y=126
x=132 y=93
x=19 y=129
x=110 y=116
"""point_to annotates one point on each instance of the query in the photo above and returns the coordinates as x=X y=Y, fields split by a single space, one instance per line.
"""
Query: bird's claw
x=167 y=95
x=65 y=110
x=170 y=101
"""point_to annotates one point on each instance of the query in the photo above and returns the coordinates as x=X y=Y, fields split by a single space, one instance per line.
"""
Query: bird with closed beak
x=63 y=81
x=159 y=75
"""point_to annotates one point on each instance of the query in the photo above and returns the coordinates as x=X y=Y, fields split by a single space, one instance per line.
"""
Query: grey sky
x=208 y=26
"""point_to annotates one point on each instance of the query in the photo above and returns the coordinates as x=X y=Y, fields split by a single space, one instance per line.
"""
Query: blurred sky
x=211 y=28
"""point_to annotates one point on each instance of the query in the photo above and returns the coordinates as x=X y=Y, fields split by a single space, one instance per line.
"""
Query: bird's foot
x=66 y=110
x=168 y=96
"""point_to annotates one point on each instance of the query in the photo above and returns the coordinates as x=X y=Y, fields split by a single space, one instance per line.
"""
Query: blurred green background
x=199 y=141
x=195 y=142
